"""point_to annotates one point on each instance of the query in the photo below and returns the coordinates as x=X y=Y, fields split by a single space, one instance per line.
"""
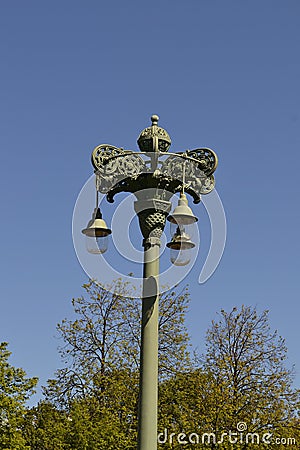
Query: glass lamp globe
x=180 y=246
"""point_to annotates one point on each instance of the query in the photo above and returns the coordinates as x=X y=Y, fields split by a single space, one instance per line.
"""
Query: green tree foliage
x=15 y=389
x=92 y=402
x=249 y=366
x=95 y=426
x=46 y=428
x=242 y=378
x=98 y=387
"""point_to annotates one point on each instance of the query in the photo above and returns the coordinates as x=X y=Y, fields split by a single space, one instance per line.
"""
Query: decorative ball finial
x=154 y=119
x=154 y=138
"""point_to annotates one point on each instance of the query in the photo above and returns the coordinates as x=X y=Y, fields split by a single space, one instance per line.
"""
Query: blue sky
x=76 y=74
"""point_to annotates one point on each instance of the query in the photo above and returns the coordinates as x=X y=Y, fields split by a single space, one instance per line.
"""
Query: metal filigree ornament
x=114 y=165
x=155 y=169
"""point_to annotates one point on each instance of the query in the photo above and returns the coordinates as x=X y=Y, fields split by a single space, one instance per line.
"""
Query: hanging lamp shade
x=182 y=214
x=96 y=234
x=97 y=226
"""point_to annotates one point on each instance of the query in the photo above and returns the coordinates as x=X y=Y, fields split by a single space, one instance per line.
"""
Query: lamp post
x=153 y=175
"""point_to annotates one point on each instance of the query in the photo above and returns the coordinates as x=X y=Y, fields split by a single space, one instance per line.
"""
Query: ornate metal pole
x=147 y=424
x=152 y=217
x=153 y=179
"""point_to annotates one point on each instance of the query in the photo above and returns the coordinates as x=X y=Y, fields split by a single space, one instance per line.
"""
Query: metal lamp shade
x=98 y=228
x=96 y=234
x=182 y=214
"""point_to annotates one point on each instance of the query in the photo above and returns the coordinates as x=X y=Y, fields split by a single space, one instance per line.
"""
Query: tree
x=248 y=363
x=242 y=379
x=101 y=350
x=15 y=389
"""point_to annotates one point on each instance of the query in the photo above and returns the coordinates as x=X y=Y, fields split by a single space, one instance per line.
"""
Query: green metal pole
x=148 y=396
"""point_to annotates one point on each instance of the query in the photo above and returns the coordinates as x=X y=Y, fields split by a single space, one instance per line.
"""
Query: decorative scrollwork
x=187 y=173
x=119 y=170
x=113 y=164
x=207 y=184
x=207 y=158
x=102 y=154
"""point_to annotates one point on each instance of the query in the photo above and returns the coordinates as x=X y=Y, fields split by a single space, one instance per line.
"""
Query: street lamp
x=181 y=229
x=153 y=175
x=96 y=233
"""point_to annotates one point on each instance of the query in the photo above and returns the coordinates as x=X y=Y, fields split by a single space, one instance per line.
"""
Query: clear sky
x=75 y=74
